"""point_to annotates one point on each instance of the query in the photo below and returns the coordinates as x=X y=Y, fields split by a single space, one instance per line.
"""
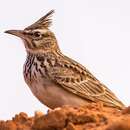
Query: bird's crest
x=43 y=22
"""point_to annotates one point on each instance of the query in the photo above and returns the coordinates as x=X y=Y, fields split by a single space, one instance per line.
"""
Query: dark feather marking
x=96 y=87
x=92 y=91
x=40 y=58
x=35 y=74
x=39 y=70
x=36 y=66
x=31 y=63
x=85 y=88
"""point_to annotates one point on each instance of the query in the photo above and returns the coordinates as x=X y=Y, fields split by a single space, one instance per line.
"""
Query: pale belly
x=53 y=95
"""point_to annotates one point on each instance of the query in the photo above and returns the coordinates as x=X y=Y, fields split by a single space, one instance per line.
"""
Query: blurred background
x=96 y=33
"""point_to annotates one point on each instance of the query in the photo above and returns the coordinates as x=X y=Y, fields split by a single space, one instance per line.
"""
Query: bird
x=54 y=78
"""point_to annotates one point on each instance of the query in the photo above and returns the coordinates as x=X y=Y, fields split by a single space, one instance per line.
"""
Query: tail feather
x=110 y=99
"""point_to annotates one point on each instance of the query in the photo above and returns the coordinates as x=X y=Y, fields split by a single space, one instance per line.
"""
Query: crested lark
x=54 y=78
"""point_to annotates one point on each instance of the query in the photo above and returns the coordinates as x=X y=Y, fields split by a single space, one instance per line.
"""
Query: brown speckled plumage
x=54 y=78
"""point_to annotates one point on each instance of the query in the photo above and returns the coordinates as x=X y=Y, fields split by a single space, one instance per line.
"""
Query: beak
x=19 y=33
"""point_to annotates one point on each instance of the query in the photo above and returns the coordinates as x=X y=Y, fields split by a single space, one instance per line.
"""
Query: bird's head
x=38 y=37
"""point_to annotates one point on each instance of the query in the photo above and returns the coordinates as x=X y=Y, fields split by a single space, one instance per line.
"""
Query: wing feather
x=81 y=82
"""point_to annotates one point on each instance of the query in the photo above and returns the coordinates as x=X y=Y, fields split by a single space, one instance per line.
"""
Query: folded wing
x=76 y=79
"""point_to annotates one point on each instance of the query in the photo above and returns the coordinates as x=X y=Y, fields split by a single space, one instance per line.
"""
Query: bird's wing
x=76 y=79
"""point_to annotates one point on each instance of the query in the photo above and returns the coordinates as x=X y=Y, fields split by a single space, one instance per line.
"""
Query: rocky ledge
x=90 y=117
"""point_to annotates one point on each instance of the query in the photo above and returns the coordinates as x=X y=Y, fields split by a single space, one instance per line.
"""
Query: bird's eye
x=37 y=35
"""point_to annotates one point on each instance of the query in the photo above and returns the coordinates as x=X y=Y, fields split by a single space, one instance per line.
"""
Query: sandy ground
x=90 y=117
